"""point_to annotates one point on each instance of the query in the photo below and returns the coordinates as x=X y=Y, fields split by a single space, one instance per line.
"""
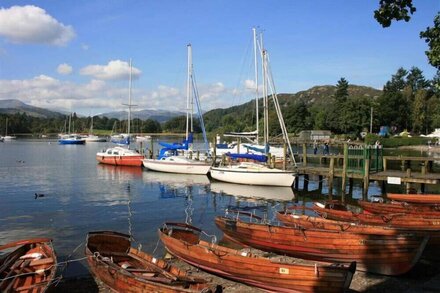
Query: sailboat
x=8 y=137
x=251 y=138
x=178 y=163
x=257 y=172
x=91 y=137
x=121 y=156
x=71 y=138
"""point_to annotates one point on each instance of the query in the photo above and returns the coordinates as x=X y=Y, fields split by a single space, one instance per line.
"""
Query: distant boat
x=122 y=156
x=27 y=265
x=170 y=160
x=8 y=137
x=143 y=138
x=93 y=138
x=71 y=139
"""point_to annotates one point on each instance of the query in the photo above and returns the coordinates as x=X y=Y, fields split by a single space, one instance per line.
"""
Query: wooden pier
x=366 y=164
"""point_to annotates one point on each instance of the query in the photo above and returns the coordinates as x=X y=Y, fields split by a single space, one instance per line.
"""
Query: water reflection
x=174 y=180
x=119 y=173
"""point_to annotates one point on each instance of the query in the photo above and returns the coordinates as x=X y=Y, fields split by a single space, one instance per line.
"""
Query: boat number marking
x=284 y=271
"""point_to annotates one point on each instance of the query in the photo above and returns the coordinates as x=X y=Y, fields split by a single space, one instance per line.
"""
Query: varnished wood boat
x=183 y=241
x=338 y=211
x=395 y=207
x=415 y=198
x=27 y=265
x=122 y=268
x=382 y=254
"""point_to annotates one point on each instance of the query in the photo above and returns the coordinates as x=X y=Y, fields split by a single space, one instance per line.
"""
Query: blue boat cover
x=259 y=158
x=170 y=149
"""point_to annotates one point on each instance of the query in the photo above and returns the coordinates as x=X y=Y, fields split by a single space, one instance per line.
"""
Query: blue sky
x=73 y=55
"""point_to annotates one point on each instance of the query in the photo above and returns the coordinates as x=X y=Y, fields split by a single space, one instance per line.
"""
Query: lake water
x=81 y=195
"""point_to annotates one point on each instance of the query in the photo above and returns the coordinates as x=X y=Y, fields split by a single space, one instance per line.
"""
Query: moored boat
x=415 y=198
x=177 y=164
x=253 y=174
x=120 y=156
x=338 y=211
x=71 y=139
x=394 y=207
x=184 y=241
x=381 y=254
x=122 y=268
x=27 y=266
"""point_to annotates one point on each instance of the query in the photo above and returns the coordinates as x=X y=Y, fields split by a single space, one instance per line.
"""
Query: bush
x=396 y=141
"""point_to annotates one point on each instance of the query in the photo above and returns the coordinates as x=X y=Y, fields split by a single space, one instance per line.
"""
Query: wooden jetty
x=366 y=163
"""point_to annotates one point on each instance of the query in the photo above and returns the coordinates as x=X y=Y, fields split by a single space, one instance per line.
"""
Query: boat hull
x=381 y=254
x=400 y=207
x=29 y=267
x=134 y=161
x=197 y=168
x=415 y=198
x=79 y=141
x=268 y=177
x=131 y=270
x=183 y=241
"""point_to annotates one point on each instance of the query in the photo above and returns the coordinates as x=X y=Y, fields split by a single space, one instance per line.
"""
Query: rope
x=155 y=248
x=67 y=262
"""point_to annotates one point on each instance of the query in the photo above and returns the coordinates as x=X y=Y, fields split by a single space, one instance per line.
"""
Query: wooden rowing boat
x=183 y=241
x=415 y=198
x=122 y=268
x=395 y=207
x=338 y=211
x=27 y=265
x=382 y=254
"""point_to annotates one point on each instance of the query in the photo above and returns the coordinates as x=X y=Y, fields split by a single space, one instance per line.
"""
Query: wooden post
x=424 y=167
x=306 y=182
x=350 y=186
x=384 y=163
x=151 y=148
x=304 y=154
x=408 y=185
x=296 y=182
x=331 y=172
x=366 y=182
x=320 y=183
x=384 y=187
x=344 y=168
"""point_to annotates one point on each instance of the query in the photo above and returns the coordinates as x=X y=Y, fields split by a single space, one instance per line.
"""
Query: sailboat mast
x=129 y=101
x=256 y=83
x=188 y=92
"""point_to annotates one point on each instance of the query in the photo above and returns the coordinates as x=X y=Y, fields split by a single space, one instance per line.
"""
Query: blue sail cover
x=259 y=158
x=121 y=141
x=170 y=149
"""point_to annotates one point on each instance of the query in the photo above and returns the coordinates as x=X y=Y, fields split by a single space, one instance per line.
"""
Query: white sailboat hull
x=242 y=174
x=180 y=166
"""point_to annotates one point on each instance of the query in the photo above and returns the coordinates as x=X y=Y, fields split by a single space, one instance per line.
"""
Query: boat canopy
x=259 y=158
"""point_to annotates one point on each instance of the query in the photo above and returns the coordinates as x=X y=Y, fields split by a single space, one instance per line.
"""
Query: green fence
x=357 y=155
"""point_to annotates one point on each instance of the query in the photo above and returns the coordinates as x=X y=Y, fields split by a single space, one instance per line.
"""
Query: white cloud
x=64 y=69
x=114 y=70
x=101 y=96
x=32 y=25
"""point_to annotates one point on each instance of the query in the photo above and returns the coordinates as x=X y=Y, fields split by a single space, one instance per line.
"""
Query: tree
x=341 y=90
x=432 y=37
x=393 y=9
x=419 y=113
x=416 y=80
x=397 y=82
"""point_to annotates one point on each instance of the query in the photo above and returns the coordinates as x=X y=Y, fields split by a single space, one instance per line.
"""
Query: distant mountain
x=159 y=115
x=13 y=106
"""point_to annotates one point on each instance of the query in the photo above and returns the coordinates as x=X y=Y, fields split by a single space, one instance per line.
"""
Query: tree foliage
x=432 y=38
x=390 y=10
